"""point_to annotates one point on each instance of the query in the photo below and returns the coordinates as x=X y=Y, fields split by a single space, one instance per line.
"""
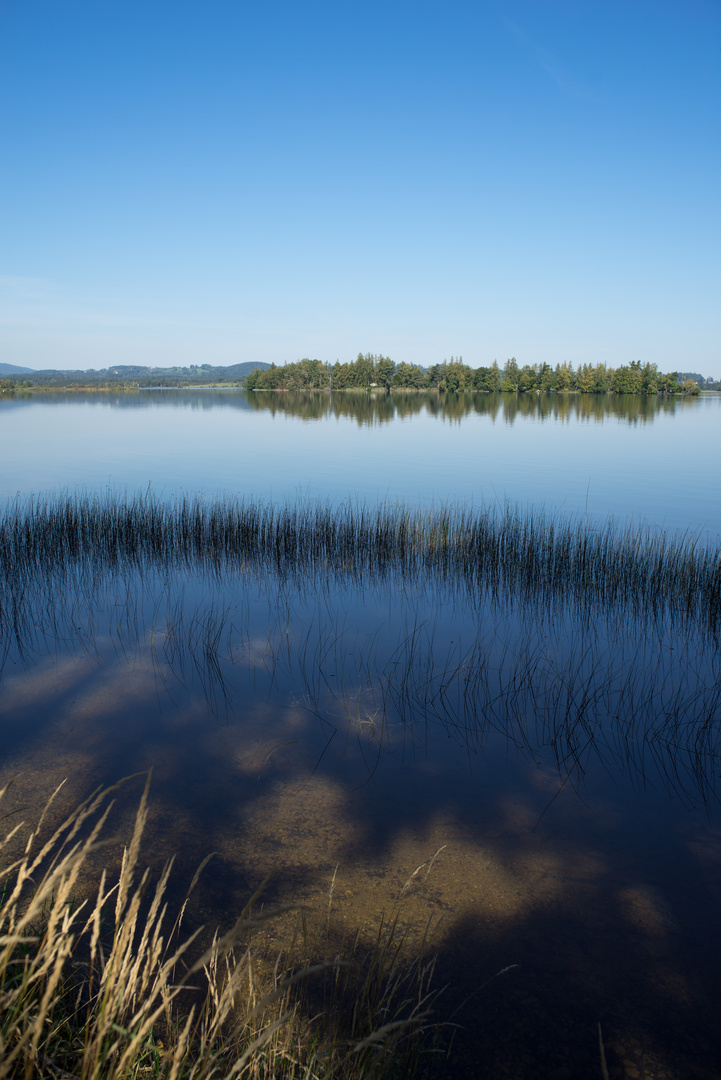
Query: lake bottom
x=554 y=901
x=527 y=787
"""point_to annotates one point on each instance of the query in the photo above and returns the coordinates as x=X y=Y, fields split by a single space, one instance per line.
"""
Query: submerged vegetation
x=589 y=641
x=439 y=632
x=101 y=983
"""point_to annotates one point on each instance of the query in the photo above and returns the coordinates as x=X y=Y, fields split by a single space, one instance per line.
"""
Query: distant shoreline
x=376 y=391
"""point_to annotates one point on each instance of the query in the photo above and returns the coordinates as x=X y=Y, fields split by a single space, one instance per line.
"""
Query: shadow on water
x=534 y=769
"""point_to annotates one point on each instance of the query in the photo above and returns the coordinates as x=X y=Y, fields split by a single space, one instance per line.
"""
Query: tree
x=628 y=379
x=436 y=374
x=547 y=378
x=409 y=376
x=343 y=376
x=273 y=378
x=649 y=382
x=510 y=376
x=564 y=378
x=385 y=371
x=363 y=370
x=592 y=380
x=528 y=379
x=456 y=375
x=668 y=384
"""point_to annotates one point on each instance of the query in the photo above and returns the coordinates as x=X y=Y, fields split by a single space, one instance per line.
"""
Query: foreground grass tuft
x=109 y=987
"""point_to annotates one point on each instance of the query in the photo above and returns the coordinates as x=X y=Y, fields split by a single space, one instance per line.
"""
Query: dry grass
x=109 y=987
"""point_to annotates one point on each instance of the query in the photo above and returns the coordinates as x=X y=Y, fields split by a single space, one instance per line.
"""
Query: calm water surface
x=651 y=460
x=562 y=766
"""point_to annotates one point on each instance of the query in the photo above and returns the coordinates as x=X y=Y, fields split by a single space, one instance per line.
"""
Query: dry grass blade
x=86 y=989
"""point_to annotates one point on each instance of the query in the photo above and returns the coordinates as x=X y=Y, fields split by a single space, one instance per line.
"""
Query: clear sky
x=216 y=182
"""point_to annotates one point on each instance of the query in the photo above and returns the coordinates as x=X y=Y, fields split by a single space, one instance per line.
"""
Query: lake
x=526 y=765
x=653 y=460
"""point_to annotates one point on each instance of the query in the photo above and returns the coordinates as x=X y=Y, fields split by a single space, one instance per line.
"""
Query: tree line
x=369 y=371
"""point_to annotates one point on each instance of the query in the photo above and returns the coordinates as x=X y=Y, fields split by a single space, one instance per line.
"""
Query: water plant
x=590 y=641
x=544 y=560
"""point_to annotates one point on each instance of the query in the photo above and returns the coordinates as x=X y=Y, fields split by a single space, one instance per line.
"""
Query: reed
x=541 y=558
x=107 y=986
x=592 y=641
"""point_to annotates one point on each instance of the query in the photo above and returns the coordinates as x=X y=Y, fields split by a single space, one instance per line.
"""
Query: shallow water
x=294 y=730
x=543 y=786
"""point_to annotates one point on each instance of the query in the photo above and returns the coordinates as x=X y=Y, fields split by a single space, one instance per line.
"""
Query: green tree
x=592 y=380
x=627 y=379
x=510 y=376
x=456 y=375
x=363 y=370
x=649 y=381
x=547 y=378
x=385 y=371
x=272 y=378
x=564 y=378
x=668 y=384
x=436 y=375
x=528 y=379
x=410 y=376
x=344 y=377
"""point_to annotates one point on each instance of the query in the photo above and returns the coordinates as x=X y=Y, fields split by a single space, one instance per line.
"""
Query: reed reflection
x=599 y=646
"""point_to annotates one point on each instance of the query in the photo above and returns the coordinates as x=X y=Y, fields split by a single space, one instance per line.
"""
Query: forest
x=377 y=371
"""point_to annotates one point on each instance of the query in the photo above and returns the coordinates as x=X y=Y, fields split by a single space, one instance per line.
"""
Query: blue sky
x=221 y=182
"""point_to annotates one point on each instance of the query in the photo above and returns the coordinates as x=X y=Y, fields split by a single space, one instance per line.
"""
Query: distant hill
x=707 y=383
x=13 y=369
x=136 y=375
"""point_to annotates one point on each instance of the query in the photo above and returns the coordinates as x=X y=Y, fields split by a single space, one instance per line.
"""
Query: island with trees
x=369 y=371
